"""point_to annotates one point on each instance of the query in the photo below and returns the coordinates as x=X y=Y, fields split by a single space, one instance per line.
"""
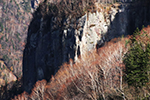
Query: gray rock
x=50 y=45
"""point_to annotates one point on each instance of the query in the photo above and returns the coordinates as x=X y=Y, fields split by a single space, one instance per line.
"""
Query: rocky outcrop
x=49 y=47
x=50 y=44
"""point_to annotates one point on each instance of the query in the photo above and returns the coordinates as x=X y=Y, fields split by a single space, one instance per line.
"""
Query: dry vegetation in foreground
x=96 y=75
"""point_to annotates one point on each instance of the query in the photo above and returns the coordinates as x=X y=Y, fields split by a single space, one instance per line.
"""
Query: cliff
x=56 y=34
x=87 y=33
x=97 y=75
x=92 y=77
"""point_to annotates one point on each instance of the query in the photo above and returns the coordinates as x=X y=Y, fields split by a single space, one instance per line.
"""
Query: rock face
x=130 y=17
x=50 y=45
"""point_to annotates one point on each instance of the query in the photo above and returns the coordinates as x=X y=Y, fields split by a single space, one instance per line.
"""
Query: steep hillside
x=96 y=75
x=91 y=77
x=84 y=31
x=63 y=30
x=14 y=20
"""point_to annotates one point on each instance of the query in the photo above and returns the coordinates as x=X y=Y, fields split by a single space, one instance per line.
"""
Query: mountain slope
x=14 y=21
x=96 y=75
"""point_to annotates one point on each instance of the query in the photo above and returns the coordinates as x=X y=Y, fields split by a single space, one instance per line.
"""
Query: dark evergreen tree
x=137 y=63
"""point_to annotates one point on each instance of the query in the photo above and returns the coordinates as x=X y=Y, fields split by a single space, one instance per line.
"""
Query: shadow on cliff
x=49 y=46
x=130 y=17
x=50 y=43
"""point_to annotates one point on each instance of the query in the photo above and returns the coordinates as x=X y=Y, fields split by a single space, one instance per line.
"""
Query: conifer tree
x=137 y=63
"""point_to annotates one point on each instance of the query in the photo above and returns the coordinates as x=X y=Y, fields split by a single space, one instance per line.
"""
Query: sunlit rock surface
x=49 y=46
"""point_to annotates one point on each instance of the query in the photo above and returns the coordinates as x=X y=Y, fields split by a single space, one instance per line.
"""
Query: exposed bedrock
x=50 y=45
